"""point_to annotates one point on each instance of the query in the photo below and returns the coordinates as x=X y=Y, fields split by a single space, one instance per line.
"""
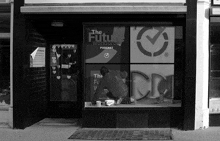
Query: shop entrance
x=64 y=100
x=63 y=37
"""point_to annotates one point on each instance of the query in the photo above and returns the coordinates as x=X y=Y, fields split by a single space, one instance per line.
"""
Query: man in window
x=114 y=82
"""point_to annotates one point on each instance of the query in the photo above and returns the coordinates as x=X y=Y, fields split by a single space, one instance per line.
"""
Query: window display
x=110 y=86
x=129 y=66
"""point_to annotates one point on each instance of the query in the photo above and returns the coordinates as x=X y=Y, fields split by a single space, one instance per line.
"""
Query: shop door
x=65 y=100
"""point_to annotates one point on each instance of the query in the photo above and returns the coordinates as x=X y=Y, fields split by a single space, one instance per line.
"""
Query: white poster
x=152 y=44
x=104 y=1
x=37 y=57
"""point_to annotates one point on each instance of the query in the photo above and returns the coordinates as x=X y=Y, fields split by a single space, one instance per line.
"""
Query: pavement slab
x=60 y=132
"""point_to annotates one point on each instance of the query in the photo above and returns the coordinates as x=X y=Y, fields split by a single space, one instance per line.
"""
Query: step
x=4 y=125
x=4 y=116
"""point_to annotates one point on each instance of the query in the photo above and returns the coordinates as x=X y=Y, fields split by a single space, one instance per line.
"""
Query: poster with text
x=149 y=81
x=106 y=44
x=152 y=44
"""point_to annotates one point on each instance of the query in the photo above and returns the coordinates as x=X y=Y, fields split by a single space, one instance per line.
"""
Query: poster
x=152 y=44
x=149 y=81
x=37 y=57
x=106 y=44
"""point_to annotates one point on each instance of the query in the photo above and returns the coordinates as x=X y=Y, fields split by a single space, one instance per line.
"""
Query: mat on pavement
x=121 y=134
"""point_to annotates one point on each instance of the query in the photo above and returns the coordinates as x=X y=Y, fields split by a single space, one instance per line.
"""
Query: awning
x=105 y=8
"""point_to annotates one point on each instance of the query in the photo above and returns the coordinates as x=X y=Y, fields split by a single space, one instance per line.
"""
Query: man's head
x=104 y=70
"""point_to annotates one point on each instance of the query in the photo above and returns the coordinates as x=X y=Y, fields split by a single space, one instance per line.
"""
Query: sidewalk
x=209 y=134
x=38 y=132
x=61 y=132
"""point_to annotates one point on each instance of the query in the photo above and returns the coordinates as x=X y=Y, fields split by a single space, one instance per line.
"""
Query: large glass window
x=133 y=65
x=4 y=71
x=4 y=55
x=214 y=91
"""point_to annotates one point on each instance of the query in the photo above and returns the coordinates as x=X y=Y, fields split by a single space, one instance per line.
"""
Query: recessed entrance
x=65 y=86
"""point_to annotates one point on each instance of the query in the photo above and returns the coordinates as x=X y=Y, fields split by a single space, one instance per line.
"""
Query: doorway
x=63 y=37
x=65 y=86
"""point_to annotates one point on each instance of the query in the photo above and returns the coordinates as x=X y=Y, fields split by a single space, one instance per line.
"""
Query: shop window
x=214 y=89
x=4 y=71
x=139 y=64
x=5 y=55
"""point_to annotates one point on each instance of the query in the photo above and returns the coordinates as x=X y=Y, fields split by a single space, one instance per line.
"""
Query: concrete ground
x=209 y=134
x=58 y=130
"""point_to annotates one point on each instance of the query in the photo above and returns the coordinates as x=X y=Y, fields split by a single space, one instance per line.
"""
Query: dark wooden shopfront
x=32 y=104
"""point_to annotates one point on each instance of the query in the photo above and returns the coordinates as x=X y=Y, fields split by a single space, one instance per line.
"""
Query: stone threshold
x=4 y=107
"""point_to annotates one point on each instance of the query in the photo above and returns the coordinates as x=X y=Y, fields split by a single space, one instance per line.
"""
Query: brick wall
x=36 y=77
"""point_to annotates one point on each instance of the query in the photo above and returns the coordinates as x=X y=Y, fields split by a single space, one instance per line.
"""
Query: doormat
x=121 y=134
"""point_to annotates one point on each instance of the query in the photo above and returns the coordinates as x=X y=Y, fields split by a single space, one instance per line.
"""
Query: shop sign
x=215 y=2
x=102 y=1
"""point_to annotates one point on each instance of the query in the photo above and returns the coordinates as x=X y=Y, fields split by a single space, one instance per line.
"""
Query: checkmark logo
x=154 y=39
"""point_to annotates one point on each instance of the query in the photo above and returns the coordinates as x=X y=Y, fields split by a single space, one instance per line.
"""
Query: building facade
x=162 y=47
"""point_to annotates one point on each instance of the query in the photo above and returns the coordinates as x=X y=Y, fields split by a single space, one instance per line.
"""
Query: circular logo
x=106 y=55
x=153 y=41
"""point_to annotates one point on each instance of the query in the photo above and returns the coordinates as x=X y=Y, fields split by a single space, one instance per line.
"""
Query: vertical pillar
x=188 y=99
x=19 y=43
x=202 y=65
x=10 y=117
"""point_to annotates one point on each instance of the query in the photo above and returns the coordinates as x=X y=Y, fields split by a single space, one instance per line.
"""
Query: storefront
x=148 y=47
